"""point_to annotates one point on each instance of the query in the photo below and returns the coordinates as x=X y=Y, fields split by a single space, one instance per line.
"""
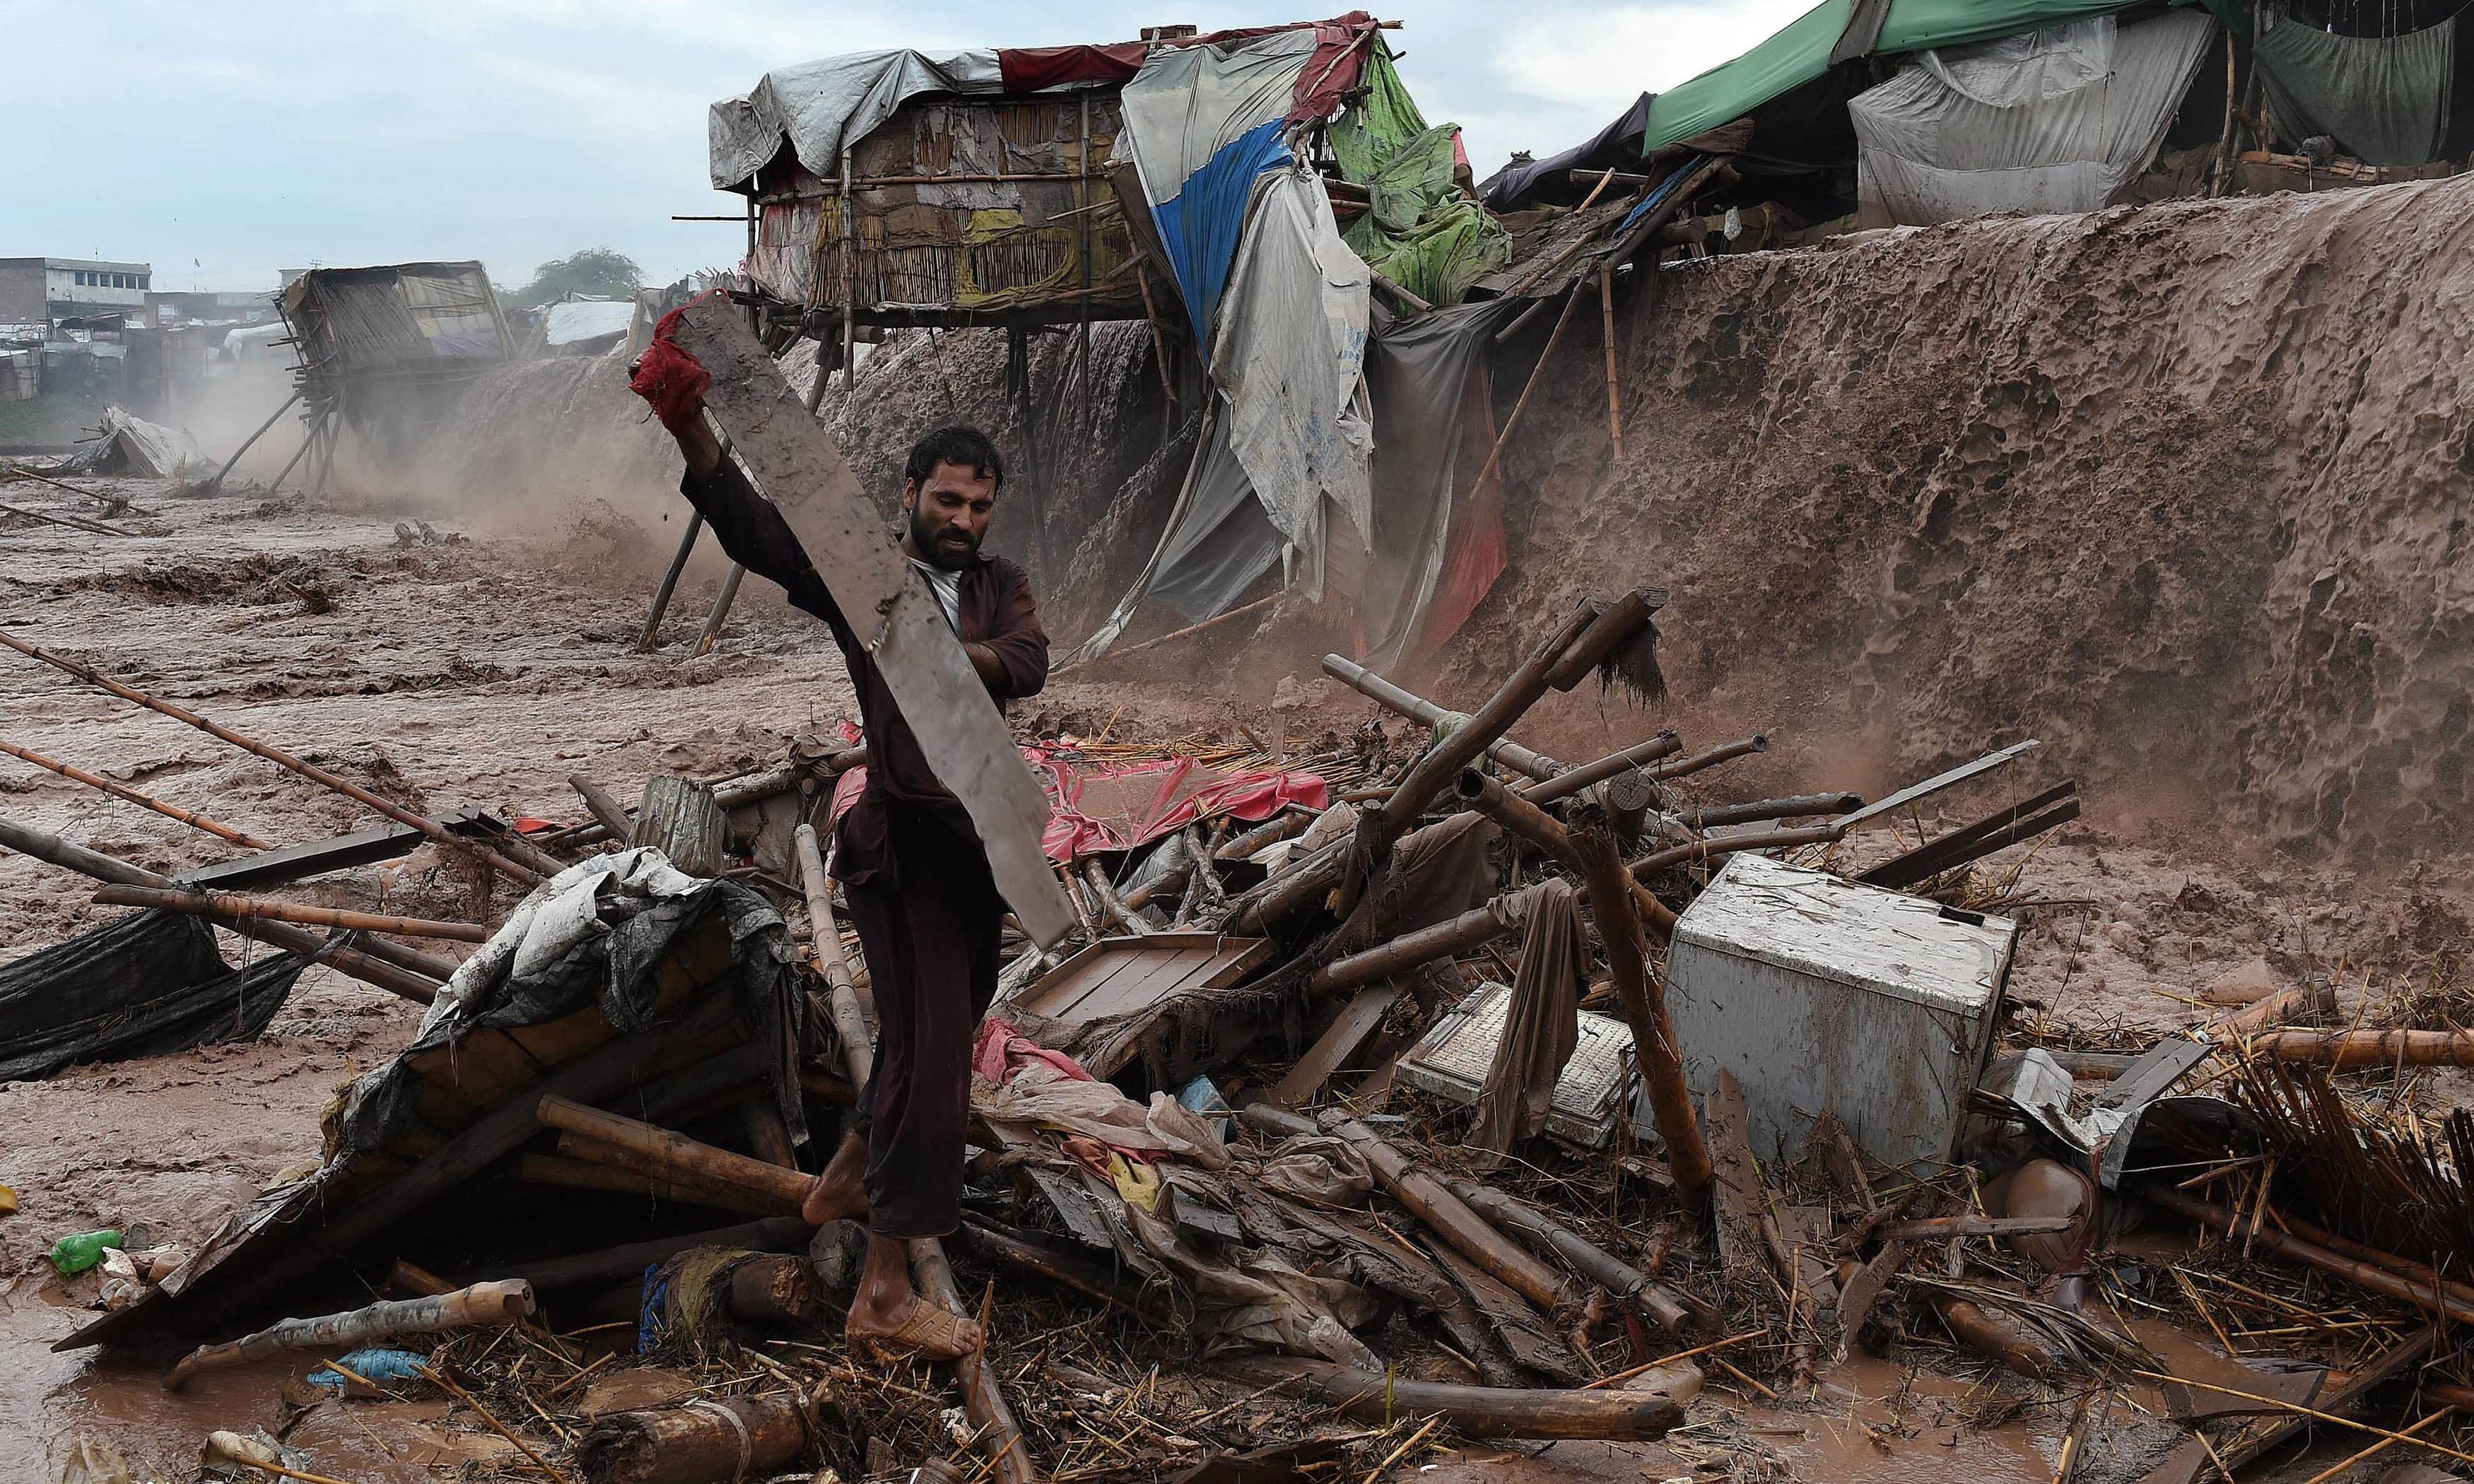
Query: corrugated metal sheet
x=1825 y=996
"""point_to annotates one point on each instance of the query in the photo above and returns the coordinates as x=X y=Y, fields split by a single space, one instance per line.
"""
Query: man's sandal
x=930 y=1330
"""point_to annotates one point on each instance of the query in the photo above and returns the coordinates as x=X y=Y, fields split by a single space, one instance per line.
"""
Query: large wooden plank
x=1357 y=1021
x=796 y=465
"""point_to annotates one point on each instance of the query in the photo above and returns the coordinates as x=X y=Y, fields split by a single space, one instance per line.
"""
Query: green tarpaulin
x=1420 y=231
x=1800 y=53
x=2385 y=99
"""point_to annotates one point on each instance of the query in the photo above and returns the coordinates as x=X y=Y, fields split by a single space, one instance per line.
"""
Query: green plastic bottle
x=79 y=1252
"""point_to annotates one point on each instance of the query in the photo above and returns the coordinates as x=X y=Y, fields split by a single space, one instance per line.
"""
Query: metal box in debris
x=1825 y=996
x=1451 y=1059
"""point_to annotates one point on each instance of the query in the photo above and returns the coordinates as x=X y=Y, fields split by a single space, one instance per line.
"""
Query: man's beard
x=928 y=537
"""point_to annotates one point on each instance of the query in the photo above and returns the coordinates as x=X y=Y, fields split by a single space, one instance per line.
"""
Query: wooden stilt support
x=250 y=441
x=670 y=579
x=720 y=609
x=1607 y=312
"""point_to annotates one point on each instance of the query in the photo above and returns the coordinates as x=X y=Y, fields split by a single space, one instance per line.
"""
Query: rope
x=737 y=1425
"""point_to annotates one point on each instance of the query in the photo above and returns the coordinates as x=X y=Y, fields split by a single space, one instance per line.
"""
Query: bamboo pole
x=250 y=441
x=1607 y=310
x=525 y=875
x=2368 y=1048
x=482 y=1304
x=825 y=938
x=720 y=613
x=190 y=817
x=670 y=582
x=1571 y=780
x=1418 y=708
x=1600 y=1266
x=404 y=975
x=1654 y=1050
x=1537 y=374
x=1757 y=742
x=74 y=524
x=235 y=905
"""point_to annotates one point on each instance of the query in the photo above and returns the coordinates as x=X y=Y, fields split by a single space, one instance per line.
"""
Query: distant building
x=36 y=290
x=250 y=306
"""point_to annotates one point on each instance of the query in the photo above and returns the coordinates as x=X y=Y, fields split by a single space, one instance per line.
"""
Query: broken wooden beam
x=296 y=862
x=572 y=1170
x=395 y=978
x=125 y=793
x=237 y=907
x=495 y=1303
x=799 y=469
x=674 y=1155
x=1935 y=1228
x=527 y=875
x=1650 y=1406
x=1958 y=847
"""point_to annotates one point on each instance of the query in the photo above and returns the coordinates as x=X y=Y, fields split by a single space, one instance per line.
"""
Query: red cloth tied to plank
x=1135 y=803
x=1026 y=69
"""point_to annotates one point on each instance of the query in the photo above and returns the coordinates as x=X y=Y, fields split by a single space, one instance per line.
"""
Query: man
x=910 y=865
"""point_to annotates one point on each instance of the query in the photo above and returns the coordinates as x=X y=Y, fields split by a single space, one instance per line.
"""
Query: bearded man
x=910 y=865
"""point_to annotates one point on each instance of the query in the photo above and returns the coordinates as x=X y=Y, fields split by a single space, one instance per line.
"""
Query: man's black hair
x=965 y=446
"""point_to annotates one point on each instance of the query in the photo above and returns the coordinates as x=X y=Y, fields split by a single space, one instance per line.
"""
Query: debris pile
x=1395 y=1089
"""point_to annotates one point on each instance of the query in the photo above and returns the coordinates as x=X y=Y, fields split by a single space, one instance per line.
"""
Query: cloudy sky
x=222 y=142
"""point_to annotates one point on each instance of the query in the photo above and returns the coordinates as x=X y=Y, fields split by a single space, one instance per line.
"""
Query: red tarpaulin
x=1026 y=69
x=1096 y=808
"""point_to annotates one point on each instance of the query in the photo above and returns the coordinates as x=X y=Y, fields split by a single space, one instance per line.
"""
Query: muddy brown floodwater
x=480 y=672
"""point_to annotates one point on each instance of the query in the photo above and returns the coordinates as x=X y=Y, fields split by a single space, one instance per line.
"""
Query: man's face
x=949 y=516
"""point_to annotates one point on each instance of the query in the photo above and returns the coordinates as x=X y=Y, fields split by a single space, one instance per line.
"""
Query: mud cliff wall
x=2182 y=491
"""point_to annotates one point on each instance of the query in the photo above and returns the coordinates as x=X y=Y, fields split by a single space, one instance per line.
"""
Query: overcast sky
x=222 y=142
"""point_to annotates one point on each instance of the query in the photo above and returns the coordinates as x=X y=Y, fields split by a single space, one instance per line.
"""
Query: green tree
x=598 y=272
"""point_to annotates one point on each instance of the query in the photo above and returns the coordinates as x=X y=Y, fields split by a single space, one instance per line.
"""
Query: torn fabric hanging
x=823 y=106
x=2383 y=98
x=2052 y=121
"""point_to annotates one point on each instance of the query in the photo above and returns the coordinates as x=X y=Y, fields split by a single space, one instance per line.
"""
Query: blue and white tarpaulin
x=1202 y=124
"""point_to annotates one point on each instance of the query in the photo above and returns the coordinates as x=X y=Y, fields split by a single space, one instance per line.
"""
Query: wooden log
x=524 y=874
x=123 y=791
x=991 y=1242
x=2294 y=1248
x=777 y=1291
x=1648 y=1408
x=1656 y=1051
x=391 y=977
x=605 y=809
x=703 y=1441
x=1937 y=1229
x=1286 y=824
x=1453 y=935
x=576 y=1173
x=610 y=1264
x=1431 y=1202
x=1418 y=708
x=229 y=906
x=1000 y=1436
x=1757 y=742
x=662 y=594
x=1573 y=781
x=722 y=603
x=960 y=729
x=683 y=820
x=1662 y=1303
x=1110 y=903
x=674 y=1156
x=2368 y=1048
x=2313 y=999
x=1998 y=1338
x=825 y=939
x=497 y=1303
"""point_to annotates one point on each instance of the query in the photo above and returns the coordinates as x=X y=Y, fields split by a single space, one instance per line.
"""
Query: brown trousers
x=930 y=938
